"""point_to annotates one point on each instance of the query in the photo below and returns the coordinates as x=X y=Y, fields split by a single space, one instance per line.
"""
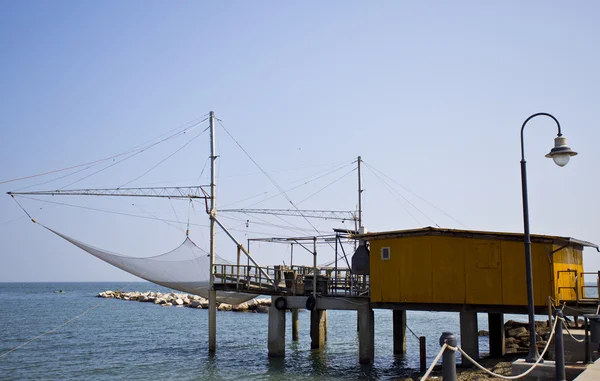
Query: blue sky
x=432 y=94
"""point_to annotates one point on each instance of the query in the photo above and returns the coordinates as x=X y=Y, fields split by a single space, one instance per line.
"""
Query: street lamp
x=560 y=154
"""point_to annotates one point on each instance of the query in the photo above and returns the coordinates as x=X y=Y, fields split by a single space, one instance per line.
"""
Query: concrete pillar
x=326 y=317
x=276 y=334
x=366 y=335
x=469 y=338
x=318 y=331
x=496 y=329
x=295 y=325
x=399 y=322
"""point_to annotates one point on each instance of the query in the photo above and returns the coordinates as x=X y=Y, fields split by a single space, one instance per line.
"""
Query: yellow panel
x=568 y=266
x=448 y=259
x=514 y=281
x=406 y=276
x=434 y=269
x=483 y=272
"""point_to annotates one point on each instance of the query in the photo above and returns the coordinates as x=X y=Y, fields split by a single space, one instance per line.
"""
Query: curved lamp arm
x=523 y=127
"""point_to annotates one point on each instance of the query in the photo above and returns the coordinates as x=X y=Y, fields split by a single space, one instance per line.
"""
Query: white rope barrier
x=433 y=364
x=457 y=348
x=569 y=332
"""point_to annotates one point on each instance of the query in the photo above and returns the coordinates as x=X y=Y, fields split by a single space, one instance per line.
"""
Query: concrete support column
x=399 y=322
x=318 y=331
x=496 y=329
x=295 y=325
x=469 y=338
x=326 y=323
x=366 y=335
x=276 y=334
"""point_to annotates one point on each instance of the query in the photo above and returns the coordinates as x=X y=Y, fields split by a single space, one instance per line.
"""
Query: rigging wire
x=100 y=210
x=270 y=179
x=203 y=168
x=55 y=179
x=300 y=185
x=157 y=218
x=130 y=156
x=267 y=223
x=387 y=186
x=285 y=170
x=136 y=148
x=245 y=199
x=167 y=158
x=416 y=195
x=63 y=324
x=327 y=186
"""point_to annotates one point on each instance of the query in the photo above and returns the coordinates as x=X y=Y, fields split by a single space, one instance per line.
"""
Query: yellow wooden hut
x=446 y=266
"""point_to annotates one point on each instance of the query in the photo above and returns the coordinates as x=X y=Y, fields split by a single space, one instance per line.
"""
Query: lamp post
x=560 y=154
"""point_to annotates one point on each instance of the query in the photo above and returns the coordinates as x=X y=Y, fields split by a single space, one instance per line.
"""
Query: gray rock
x=262 y=309
x=516 y=331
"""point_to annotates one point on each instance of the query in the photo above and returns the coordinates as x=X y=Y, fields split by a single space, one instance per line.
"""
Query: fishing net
x=186 y=268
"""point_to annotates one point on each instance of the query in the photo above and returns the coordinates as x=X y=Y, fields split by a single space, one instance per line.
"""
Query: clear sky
x=433 y=94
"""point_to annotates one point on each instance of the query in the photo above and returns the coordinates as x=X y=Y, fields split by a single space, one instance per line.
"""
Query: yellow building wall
x=568 y=264
x=437 y=269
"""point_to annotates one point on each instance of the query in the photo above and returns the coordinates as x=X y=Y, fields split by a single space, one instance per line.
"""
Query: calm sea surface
x=142 y=341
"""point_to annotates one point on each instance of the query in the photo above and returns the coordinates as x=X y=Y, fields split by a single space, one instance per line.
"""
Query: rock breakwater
x=517 y=335
x=187 y=300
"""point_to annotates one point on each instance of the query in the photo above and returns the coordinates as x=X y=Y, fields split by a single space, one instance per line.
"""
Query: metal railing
x=291 y=280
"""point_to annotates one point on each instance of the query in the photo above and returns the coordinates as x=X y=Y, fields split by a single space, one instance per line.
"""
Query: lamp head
x=561 y=153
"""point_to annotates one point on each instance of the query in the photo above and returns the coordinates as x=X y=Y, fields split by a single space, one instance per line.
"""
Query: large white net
x=186 y=268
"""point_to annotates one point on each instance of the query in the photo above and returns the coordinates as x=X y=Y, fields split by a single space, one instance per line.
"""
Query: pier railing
x=290 y=280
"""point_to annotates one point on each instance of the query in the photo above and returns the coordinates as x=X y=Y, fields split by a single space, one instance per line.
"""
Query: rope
x=390 y=189
x=437 y=358
x=416 y=195
x=411 y=331
x=457 y=348
x=21 y=206
x=104 y=211
x=271 y=180
x=569 y=332
x=167 y=158
x=50 y=331
x=136 y=148
x=62 y=325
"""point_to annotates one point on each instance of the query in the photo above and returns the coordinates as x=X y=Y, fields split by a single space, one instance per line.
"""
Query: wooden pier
x=429 y=269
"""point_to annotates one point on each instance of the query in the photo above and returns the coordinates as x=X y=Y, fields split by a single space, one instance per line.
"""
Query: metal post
x=335 y=279
x=533 y=353
x=588 y=344
x=422 y=354
x=291 y=256
x=559 y=351
x=360 y=190
x=449 y=357
x=239 y=252
x=212 y=294
x=315 y=267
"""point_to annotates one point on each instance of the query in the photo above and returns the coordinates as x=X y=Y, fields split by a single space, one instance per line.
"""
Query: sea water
x=108 y=339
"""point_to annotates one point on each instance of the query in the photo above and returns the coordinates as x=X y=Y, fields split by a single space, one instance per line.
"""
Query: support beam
x=496 y=329
x=366 y=335
x=399 y=322
x=318 y=330
x=276 y=335
x=469 y=338
x=295 y=325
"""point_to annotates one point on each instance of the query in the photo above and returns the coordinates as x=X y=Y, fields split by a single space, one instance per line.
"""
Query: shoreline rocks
x=260 y=305
x=516 y=336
